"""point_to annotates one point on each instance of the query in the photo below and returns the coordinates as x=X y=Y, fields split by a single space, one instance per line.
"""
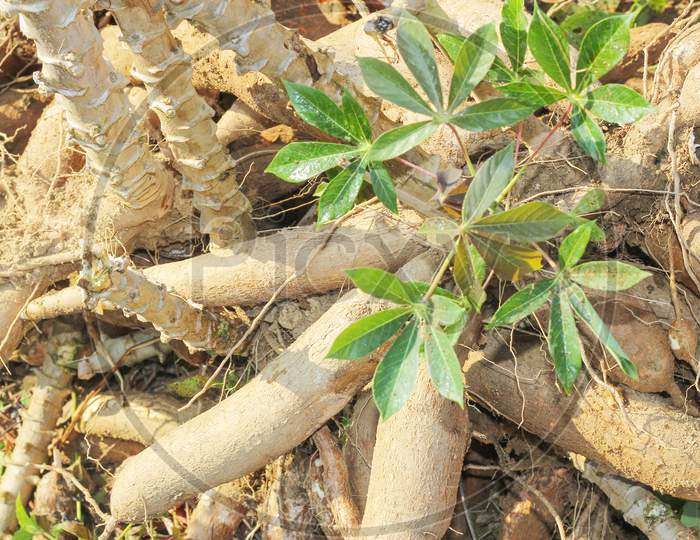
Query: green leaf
x=452 y=43
x=509 y=261
x=608 y=275
x=363 y=336
x=690 y=514
x=300 y=161
x=564 y=342
x=574 y=245
x=469 y=267
x=383 y=186
x=355 y=118
x=380 y=284
x=536 y=95
x=603 y=46
x=617 y=103
x=490 y=180
x=588 y=134
x=549 y=47
x=27 y=523
x=416 y=48
x=397 y=141
x=585 y=310
x=340 y=193
x=443 y=366
x=591 y=202
x=492 y=113
x=439 y=231
x=317 y=109
x=395 y=377
x=472 y=64
x=385 y=81
x=535 y=221
x=500 y=73
x=576 y=24
x=523 y=303
x=446 y=311
x=514 y=31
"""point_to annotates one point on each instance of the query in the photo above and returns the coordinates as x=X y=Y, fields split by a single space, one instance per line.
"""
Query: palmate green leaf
x=383 y=186
x=355 y=118
x=317 y=109
x=535 y=221
x=591 y=202
x=416 y=48
x=26 y=522
x=500 y=73
x=536 y=95
x=603 y=46
x=588 y=134
x=472 y=64
x=509 y=261
x=381 y=284
x=451 y=43
x=576 y=24
x=490 y=180
x=397 y=141
x=340 y=193
x=548 y=45
x=564 y=341
x=607 y=275
x=440 y=231
x=514 y=31
x=523 y=303
x=574 y=245
x=617 y=103
x=492 y=113
x=299 y=161
x=395 y=377
x=587 y=313
x=364 y=336
x=385 y=81
x=443 y=366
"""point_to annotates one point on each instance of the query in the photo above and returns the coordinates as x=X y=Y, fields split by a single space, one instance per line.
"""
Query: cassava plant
x=491 y=237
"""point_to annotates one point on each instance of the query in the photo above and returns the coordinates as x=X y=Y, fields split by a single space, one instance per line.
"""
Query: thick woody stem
x=185 y=120
x=90 y=92
x=35 y=434
x=113 y=283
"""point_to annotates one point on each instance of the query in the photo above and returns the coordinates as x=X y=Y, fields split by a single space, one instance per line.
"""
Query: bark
x=358 y=451
x=31 y=447
x=314 y=263
x=301 y=389
x=239 y=122
x=417 y=462
x=658 y=450
x=185 y=121
x=336 y=484
x=136 y=417
x=640 y=507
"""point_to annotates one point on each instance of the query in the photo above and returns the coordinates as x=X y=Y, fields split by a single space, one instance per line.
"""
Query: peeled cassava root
x=313 y=260
x=659 y=450
x=301 y=389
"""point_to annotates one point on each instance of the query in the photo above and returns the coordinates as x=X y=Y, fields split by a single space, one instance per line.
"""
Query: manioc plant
x=510 y=188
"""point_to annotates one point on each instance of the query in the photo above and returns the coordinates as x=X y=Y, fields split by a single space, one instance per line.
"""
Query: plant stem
x=414 y=166
x=465 y=152
x=440 y=273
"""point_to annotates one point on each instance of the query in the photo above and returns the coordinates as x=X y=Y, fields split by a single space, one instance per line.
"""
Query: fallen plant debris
x=349 y=269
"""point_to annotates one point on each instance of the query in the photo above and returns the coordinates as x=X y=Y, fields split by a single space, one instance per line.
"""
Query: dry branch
x=301 y=390
x=260 y=267
x=659 y=450
x=639 y=506
x=35 y=434
x=185 y=120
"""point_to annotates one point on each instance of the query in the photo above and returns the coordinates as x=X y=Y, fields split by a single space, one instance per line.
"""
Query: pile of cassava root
x=166 y=306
